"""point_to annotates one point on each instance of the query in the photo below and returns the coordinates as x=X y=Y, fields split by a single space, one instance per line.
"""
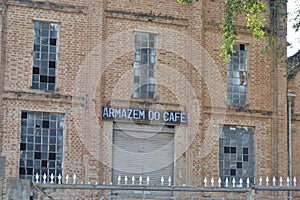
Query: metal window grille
x=145 y=66
x=237 y=76
x=45 y=56
x=41 y=146
x=236 y=153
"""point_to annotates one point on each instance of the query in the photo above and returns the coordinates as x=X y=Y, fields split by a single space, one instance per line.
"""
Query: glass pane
x=44 y=56
x=52 y=72
x=53 y=49
x=37 y=40
x=53 y=34
x=152 y=44
x=44 y=48
x=35 y=86
x=144 y=37
x=138 y=58
x=151 y=37
x=236 y=81
x=43 y=71
x=51 y=87
x=236 y=74
x=36 y=55
x=44 y=41
x=45 y=25
x=52 y=56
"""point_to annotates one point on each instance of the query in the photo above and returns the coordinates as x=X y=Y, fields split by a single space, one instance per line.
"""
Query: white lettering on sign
x=175 y=117
x=172 y=117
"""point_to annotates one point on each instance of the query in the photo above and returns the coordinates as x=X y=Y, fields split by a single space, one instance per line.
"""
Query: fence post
x=18 y=189
x=251 y=194
x=2 y=172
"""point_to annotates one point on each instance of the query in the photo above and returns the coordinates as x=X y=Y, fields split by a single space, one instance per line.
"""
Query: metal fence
x=49 y=187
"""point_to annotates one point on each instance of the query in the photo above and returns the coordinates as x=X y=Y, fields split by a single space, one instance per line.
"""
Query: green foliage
x=185 y=2
x=252 y=9
x=296 y=25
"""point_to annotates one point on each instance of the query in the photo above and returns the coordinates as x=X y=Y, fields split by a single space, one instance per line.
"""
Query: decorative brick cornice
x=49 y=6
x=151 y=17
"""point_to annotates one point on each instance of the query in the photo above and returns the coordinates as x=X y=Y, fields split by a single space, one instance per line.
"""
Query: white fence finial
x=170 y=180
x=274 y=181
x=241 y=182
x=212 y=182
x=248 y=182
x=226 y=182
x=205 y=182
x=119 y=179
x=67 y=179
x=148 y=180
x=260 y=181
x=59 y=178
x=126 y=180
x=52 y=178
x=37 y=178
x=162 y=180
x=233 y=182
x=141 y=180
x=74 y=178
x=44 y=178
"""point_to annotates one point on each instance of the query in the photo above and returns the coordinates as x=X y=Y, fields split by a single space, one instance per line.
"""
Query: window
x=237 y=76
x=45 y=56
x=236 y=153
x=144 y=66
x=41 y=144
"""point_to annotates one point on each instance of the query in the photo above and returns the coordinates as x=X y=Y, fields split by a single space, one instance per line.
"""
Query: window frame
x=237 y=76
x=45 y=55
x=41 y=144
x=145 y=64
x=237 y=153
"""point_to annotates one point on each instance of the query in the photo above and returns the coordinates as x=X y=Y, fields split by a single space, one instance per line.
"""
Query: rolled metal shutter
x=143 y=150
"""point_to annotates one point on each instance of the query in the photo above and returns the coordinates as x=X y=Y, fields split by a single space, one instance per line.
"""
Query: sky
x=292 y=37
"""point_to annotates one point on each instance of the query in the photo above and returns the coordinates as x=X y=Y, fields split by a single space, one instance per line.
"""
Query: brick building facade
x=121 y=87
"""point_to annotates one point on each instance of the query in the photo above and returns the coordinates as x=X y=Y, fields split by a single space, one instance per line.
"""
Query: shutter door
x=143 y=150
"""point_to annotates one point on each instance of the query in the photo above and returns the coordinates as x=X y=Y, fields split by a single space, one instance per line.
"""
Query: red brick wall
x=96 y=48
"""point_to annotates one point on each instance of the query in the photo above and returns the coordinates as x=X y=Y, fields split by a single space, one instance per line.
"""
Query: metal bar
x=276 y=188
x=142 y=188
x=166 y=188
